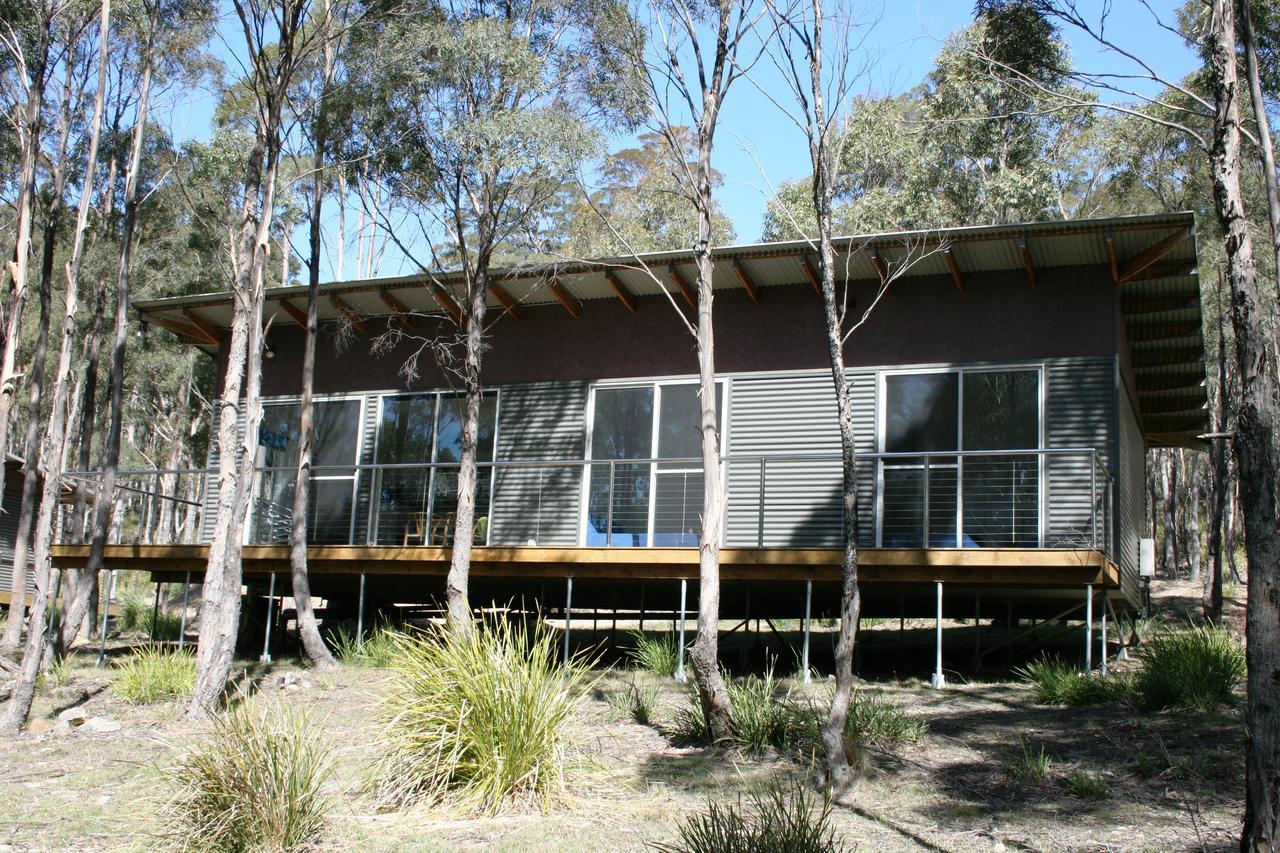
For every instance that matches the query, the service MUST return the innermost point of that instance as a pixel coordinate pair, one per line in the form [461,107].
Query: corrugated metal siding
[539,421]
[1079,412]
[372,412]
[794,414]
[209,510]
[10,506]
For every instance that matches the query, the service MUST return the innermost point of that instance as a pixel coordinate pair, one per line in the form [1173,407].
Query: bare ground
[1172,780]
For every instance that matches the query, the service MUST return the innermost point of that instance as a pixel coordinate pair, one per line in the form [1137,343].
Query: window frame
[589,419]
[961,371]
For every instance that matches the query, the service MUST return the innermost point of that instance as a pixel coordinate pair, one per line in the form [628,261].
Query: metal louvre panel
[1131,491]
[539,504]
[794,414]
[12,505]
[1079,412]
[364,486]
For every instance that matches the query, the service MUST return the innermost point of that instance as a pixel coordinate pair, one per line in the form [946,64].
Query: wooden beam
[185,330]
[1026,259]
[747,283]
[628,298]
[879,264]
[954,267]
[565,297]
[1151,254]
[446,301]
[352,315]
[295,313]
[508,304]
[1111,257]
[811,274]
[208,329]
[397,307]
[678,279]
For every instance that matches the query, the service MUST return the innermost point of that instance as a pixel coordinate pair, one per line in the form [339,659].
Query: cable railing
[1043,498]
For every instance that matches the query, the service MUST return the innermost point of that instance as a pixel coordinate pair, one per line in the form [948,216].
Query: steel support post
[939,680]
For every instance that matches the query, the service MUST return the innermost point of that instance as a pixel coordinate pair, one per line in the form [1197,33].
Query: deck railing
[951,499]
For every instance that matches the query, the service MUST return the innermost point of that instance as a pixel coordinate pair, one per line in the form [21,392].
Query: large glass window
[418,501]
[969,500]
[333,475]
[637,504]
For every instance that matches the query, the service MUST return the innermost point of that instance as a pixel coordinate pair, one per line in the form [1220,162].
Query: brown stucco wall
[999,316]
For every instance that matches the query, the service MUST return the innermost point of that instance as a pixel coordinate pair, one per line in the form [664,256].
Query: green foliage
[635,703]
[154,674]
[376,649]
[1196,668]
[1029,765]
[257,783]
[656,653]
[1087,786]
[767,715]
[1055,682]
[481,720]
[780,819]
[59,673]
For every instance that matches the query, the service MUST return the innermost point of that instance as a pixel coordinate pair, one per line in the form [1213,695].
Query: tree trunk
[1169,511]
[1193,517]
[312,643]
[1218,461]
[1253,445]
[53,453]
[457,603]
[1266,145]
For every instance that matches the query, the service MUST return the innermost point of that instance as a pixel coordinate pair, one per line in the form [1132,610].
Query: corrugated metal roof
[1160,297]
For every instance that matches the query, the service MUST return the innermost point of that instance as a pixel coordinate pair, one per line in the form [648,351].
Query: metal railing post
[1093,503]
[924,540]
[608,523]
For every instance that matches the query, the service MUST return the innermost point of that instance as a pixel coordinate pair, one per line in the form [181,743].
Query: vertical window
[940,500]
[333,476]
[418,501]
[643,503]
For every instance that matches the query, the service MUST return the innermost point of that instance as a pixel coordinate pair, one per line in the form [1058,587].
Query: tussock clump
[1196,669]
[154,674]
[780,819]
[257,783]
[1054,682]
[656,653]
[479,720]
[373,650]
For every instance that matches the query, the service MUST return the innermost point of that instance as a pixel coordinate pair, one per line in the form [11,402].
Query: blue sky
[757,148]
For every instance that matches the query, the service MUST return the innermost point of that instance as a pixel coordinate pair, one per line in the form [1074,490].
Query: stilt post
[186,599]
[939,680]
[684,588]
[1103,669]
[155,612]
[568,614]
[106,612]
[1088,627]
[360,613]
[271,604]
[808,608]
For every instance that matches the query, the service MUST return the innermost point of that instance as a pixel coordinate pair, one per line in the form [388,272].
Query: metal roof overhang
[1152,259]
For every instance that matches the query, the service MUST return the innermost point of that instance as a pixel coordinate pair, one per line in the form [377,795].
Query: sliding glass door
[968,499]
[333,477]
[417,504]
[640,503]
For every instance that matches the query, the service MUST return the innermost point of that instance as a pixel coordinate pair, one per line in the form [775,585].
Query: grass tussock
[657,653]
[154,674]
[375,649]
[1055,682]
[1031,765]
[481,721]
[1087,786]
[766,714]
[780,819]
[257,783]
[1194,669]
[636,703]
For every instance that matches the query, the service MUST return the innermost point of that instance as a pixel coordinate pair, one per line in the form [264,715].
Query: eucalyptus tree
[481,112]
[277,42]
[54,449]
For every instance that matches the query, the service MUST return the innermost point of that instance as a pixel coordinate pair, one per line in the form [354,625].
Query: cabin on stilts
[1008,382]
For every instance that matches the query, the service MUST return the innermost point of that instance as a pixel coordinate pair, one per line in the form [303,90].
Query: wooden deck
[1043,568]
